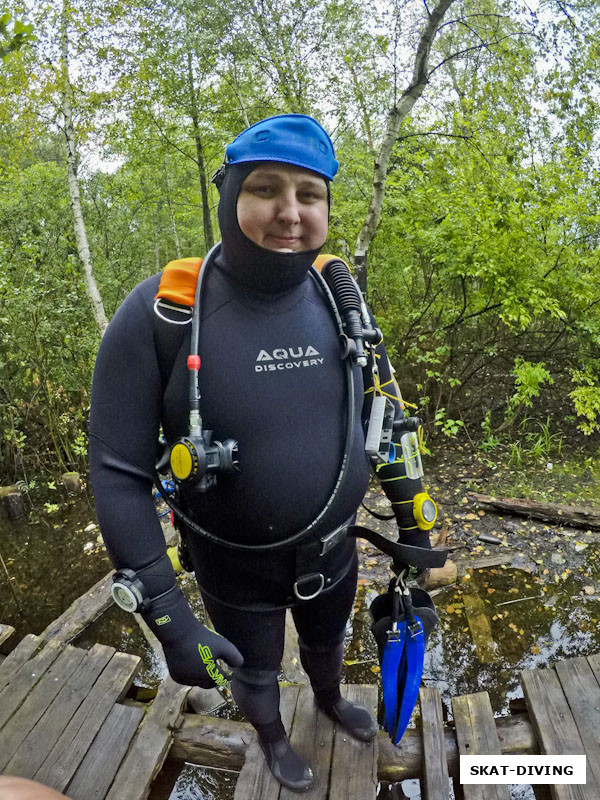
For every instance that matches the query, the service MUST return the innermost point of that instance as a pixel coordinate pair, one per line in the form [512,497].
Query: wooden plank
[354,763]
[15,660]
[30,673]
[311,736]
[476,735]
[151,744]
[82,611]
[583,694]
[554,726]
[435,785]
[594,662]
[70,748]
[23,721]
[255,781]
[39,742]
[98,769]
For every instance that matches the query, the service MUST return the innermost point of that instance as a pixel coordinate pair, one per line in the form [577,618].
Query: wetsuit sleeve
[398,487]
[124,426]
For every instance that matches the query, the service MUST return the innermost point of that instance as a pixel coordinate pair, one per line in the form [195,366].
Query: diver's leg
[259,636]
[321,626]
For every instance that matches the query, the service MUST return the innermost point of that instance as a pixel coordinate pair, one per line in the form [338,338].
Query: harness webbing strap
[419,557]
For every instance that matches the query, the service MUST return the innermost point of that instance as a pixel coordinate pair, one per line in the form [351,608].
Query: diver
[267,440]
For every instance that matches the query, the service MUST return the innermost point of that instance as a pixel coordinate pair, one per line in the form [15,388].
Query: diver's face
[284,208]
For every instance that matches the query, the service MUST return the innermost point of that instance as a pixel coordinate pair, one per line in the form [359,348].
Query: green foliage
[483,274]
[13,35]
[528,380]
[586,398]
[449,427]
[490,441]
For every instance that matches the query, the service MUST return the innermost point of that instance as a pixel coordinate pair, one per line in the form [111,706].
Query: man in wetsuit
[272,379]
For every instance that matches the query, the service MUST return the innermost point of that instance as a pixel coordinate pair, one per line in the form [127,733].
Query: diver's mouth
[284,244]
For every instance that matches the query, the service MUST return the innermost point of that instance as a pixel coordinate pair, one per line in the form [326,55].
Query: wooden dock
[64,722]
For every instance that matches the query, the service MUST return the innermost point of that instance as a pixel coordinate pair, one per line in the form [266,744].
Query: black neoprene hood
[247,262]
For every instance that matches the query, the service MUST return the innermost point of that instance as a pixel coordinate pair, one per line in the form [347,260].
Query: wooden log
[439,576]
[12,502]
[151,744]
[82,611]
[477,736]
[6,631]
[579,516]
[222,743]
[72,483]
[480,627]
[203,701]
[212,741]
[485,563]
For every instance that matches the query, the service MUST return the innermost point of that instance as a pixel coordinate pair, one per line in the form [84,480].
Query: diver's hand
[190,649]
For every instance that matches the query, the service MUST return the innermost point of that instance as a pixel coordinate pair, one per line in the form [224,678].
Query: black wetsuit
[271,378]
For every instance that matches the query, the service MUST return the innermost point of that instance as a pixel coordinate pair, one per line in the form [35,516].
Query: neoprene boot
[352,717]
[283,761]
[324,667]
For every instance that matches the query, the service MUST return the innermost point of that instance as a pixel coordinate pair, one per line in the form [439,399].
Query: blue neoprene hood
[291,138]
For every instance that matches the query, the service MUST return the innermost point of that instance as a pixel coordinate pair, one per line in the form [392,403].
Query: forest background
[467,199]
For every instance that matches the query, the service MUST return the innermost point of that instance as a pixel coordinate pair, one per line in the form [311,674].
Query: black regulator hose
[340,281]
[344,464]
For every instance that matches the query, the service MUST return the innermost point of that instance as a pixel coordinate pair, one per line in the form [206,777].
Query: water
[484,640]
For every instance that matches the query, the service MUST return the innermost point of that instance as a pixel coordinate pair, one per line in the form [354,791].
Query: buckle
[305,579]
[333,539]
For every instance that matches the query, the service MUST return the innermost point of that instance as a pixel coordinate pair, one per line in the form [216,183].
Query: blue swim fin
[409,677]
[391,661]
[402,620]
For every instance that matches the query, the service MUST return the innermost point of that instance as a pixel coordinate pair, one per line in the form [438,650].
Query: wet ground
[540,606]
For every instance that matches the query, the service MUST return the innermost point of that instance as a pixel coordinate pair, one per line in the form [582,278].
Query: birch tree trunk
[171,214]
[395,117]
[208,232]
[81,238]
[157,264]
